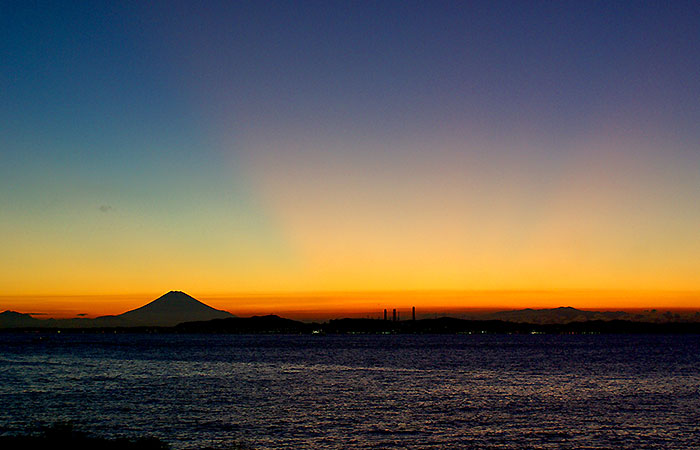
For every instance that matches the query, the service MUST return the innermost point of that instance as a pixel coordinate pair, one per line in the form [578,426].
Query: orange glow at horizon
[299,305]
[469,216]
[349,158]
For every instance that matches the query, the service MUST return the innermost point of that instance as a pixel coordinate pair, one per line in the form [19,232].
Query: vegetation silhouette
[64,436]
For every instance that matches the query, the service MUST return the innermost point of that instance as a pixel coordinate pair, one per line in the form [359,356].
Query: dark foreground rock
[64,437]
[60,437]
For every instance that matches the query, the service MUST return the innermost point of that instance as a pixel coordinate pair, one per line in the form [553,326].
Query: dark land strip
[272,324]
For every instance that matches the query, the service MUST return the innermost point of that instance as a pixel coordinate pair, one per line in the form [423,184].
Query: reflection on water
[351,392]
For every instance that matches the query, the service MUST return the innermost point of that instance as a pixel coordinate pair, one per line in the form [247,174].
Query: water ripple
[357,392]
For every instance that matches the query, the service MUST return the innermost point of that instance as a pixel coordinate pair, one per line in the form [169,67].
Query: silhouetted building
[394,314]
[384,313]
[413,313]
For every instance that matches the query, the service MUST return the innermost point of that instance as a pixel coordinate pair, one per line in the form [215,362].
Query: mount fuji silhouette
[169,310]
[166,311]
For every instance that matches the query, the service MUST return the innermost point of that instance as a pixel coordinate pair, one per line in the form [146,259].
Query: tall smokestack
[394,314]
[413,313]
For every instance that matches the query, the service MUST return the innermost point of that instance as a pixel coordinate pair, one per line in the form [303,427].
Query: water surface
[360,392]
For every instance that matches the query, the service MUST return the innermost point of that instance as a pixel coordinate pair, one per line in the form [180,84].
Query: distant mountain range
[176,308]
[564,314]
[567,314]
[166,311]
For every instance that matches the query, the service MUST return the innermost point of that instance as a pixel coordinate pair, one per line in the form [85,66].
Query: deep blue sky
[154,69]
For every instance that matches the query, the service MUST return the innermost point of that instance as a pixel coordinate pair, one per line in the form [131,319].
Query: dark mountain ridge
[562,314]
[186,314]
[169,310]
[166,311]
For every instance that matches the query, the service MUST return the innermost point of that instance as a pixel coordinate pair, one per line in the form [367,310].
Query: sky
[271,155]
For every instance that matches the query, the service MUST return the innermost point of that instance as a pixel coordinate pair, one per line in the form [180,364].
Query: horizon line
[355,303]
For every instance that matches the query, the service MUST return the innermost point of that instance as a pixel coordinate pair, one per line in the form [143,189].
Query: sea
[359,391]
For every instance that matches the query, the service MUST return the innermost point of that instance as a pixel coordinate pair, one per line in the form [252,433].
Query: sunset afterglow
[349,159]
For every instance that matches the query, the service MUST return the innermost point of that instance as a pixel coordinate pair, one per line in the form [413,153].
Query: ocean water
[360,392]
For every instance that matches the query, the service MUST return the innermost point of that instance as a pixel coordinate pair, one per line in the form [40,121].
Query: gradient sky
[276,148]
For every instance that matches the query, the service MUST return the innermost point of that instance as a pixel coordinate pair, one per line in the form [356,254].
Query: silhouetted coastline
[178,312]
[443,325]
[272,324]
